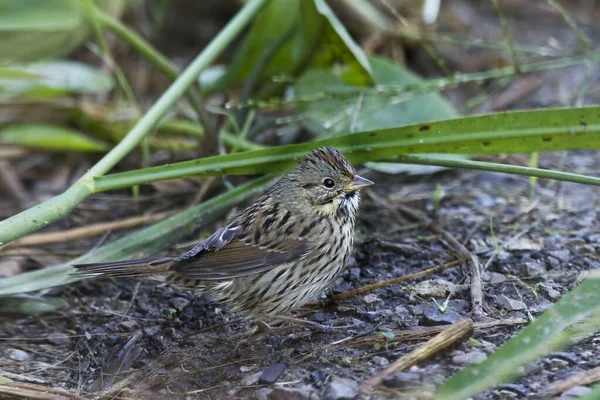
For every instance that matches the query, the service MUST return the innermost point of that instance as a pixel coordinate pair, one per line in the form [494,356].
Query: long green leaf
[49,137]
[336,113]
[319,40]
[551,331]
[509,132]
[38,29]
[31,305]
[137,244]
[343,34]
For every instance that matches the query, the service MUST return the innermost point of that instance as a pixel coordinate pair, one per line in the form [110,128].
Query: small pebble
[18,355]
[59,339]
[152,330]
[401,310]
[574,243]
[532,270]
[318,377]
[403,380]
[496,277]
[179,303]
[433,316]
[271,373]
[341,389]
[473,357]
[510,304]
[575,392]
[561,255]
[130,325]
[251,379]
[304,392]
[371,298]
[381,361]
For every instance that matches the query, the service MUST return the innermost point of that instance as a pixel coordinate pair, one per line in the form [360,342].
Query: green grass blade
[343,34]
[137,244]
[31,305]
[49,137]
[509,132]
[577,314]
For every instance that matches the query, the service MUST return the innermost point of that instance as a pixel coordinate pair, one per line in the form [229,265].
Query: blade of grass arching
[510,132]
[51,210]
[49,137]
[324,9]
[137,244]
[574,316]
[15,73]
[31,305]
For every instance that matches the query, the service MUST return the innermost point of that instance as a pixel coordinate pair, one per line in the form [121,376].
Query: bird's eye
[328,183]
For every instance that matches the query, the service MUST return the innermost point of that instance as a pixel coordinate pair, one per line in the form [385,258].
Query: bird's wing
[224,255]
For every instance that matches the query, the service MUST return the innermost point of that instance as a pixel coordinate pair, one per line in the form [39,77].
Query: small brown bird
[279,253]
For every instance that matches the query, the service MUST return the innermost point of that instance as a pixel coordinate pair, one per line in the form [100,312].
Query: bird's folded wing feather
[224,256]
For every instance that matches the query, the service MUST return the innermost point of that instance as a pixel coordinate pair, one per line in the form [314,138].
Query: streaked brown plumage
[279,253]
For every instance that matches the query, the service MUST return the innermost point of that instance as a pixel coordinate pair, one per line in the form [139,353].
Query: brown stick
[476,285]
[425,332]
[420,274]
[455,333]
[84,231]
[13,184]
[16,390]
[8,152]
[580,379]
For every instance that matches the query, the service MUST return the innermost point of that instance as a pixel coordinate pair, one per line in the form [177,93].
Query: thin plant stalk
[151,54]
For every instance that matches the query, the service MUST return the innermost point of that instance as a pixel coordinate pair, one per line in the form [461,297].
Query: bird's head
[325,181]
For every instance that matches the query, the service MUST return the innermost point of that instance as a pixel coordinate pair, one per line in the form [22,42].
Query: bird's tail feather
[126,269]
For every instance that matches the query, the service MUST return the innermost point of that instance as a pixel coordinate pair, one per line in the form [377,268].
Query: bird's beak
[358,182]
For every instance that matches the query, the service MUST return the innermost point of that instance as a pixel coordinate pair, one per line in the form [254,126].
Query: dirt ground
[150,342]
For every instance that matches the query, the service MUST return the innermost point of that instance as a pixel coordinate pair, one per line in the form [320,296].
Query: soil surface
[145,341]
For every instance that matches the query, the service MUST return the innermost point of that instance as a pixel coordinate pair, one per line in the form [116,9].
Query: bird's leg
[313,325]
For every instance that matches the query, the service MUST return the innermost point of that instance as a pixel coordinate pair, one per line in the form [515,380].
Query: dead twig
[12,183]
[448,337]
[84,231]
[476,281]
[581,379]
[416,275]
[425,332]
[18,390]
[203,191]
[8,152]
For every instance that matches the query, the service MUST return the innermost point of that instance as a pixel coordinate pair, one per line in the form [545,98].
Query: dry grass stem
[85,231]
[448,337]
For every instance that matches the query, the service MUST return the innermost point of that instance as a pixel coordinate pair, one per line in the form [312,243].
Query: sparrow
[279,253]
